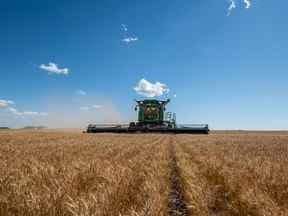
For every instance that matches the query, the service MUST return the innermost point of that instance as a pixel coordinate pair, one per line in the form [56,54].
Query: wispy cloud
[231,7]
[14,111]
[97,106]
[8,105]
[130,39]
[124,27]
[127,37]
[26,113]
[86,108]
[53,68]
[29,113]
[149,89]
[81,92]
[63,112]
[5,103]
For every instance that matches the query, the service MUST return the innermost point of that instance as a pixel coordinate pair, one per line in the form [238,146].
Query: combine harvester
[151,118]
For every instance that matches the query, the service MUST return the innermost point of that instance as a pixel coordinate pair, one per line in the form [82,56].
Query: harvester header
[151,118]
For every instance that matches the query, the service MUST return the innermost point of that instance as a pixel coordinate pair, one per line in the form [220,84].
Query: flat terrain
[69,173]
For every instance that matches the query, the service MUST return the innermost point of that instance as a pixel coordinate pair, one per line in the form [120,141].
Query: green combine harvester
[151,118]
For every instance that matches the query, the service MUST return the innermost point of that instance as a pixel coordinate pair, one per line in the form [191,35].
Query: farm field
[54,172]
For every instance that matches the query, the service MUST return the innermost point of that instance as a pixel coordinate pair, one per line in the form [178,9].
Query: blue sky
[228,71]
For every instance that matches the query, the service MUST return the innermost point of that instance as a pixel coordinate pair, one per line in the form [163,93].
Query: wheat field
[70,173]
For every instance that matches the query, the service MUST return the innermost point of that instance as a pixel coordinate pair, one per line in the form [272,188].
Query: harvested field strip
[176,201]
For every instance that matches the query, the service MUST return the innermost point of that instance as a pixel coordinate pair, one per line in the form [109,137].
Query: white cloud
[231,7]
[149,89]
[81,92]
[53,68]
[248,3]
[5,103]
[130,39]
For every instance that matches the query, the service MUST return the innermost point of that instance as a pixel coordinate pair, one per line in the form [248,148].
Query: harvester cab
[151,118]
[151,114]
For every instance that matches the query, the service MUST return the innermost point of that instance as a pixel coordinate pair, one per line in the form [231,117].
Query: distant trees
[3,128]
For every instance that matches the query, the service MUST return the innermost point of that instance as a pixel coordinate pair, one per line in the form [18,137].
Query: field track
[176,199]
[69,173]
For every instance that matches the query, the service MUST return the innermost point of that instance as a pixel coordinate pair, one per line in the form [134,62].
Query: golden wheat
[69,173]
[74,174]
[235,174]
